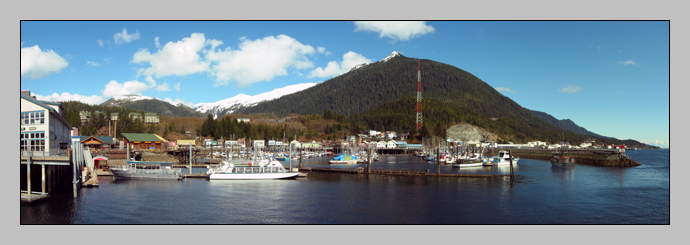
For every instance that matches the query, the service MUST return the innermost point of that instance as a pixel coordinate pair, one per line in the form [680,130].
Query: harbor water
[539,194]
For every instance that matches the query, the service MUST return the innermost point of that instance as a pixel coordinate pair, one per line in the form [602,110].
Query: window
[34,141]
[37,117]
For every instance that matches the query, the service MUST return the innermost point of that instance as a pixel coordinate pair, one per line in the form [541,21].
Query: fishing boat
[266,169]
[562,158]
[472,160]
[502,159]
[145,170]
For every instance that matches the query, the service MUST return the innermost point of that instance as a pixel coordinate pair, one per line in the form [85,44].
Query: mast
[419,96]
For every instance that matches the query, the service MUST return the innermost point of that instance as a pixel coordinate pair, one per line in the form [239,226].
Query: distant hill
[382,96]
[565,124]
[148,104]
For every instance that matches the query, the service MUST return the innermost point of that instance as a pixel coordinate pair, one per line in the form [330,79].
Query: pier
[404,172]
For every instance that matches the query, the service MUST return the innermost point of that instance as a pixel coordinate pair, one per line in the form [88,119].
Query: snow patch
[392,55]
[243,100]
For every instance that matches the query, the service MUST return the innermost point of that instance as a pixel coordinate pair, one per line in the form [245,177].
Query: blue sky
[609,77]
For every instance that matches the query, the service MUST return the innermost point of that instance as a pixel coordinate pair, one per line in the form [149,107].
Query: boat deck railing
[259,170]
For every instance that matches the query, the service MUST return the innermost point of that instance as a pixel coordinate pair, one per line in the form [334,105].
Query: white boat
[502,159]
[266,170]
[145,170]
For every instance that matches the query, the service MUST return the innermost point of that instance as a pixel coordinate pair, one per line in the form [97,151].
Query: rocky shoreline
[602,158]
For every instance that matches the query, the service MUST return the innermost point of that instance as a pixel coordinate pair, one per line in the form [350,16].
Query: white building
[391,144]
[373,133]
[381,144]
[258,144]
[243,119]
[586,144]
[43,129]
[151,118]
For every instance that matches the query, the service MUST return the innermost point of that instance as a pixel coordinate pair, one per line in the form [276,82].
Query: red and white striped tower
[419,95]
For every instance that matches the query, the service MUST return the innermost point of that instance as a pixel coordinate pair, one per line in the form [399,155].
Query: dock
[406,172]
[27,198]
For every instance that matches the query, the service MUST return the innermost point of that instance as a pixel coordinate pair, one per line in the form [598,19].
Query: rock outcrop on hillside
[466,132]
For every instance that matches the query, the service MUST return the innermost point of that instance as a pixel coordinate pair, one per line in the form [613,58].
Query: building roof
[104,139]
[132,137]
[151,114]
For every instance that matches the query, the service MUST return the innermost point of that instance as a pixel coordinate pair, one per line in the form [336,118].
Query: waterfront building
[97,142]
[151,118]
[311,145]
[381,144]
[391,144]
[43,129]
[142,141]
[181,143]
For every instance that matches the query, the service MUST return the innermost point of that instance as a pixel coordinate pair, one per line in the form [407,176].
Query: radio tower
[419,96]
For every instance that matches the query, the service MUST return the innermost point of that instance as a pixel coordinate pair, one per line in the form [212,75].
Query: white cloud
[37,63]
[396,30]
[175,58]
[163,87]
[350,59]
[628,62]
[504,90]
[322,50]
[100,42]
[123,36]
[93,99]
[258,60]
[91,63]
[570,89]
[113,88]
[177,102]
[158,44]
[177,87]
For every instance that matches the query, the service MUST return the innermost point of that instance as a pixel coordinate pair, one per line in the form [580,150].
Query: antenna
[419,95]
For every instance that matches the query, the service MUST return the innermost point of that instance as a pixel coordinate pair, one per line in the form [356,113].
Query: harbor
[616,196]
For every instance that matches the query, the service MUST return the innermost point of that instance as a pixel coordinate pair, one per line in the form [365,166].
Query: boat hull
[467,163]
[128,174]
[252,176]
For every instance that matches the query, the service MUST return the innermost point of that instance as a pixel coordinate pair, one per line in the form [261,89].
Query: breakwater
[604,158]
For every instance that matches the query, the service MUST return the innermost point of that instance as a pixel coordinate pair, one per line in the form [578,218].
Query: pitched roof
[133,137]
[104,139]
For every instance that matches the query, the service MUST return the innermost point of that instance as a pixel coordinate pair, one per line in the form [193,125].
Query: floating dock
[408,172]
[27,198]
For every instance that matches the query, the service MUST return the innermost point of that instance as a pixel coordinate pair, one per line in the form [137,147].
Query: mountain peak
[131,97]
[392,55]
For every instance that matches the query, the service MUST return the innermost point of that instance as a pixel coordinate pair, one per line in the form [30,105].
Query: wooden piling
[437,158]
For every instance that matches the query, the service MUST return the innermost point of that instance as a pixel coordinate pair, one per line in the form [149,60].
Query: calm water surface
[540,194]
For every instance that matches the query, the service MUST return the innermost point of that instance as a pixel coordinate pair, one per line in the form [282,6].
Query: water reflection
[565,173]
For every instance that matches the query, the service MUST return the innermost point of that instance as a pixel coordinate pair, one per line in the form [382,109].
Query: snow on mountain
[131,97]
[390,56]
[240,101]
